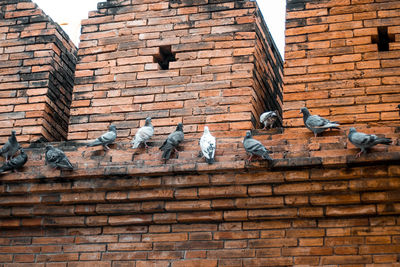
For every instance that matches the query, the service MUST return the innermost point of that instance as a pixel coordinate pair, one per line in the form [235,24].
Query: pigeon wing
[18,161]
[6,147]
[108,137]
[142,135]
[318,122]
[361,139]
[254,147]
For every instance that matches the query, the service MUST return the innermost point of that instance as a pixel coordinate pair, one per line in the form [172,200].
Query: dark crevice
[383,38]
[164,57]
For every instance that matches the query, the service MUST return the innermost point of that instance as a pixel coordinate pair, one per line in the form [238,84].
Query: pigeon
[268,119]
[15,163]
[172,141]
[365,141]
[254,147]
[11,147]
[106,138]
[316,123]
[57,159]
[143,134]
[208,145]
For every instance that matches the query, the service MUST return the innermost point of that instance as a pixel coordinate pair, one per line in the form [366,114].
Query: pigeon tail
[210,160]
[167,153]
[135,144]
[383,141]
[65,164]
[5,168]
[96,142]
[266,156]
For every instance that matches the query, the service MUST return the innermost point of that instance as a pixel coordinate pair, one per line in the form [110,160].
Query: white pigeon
[208,145]
[143,134]
[268,119]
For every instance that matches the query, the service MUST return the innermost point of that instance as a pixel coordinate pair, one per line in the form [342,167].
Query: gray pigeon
[268,119]
[106,138]
[365,141]
[11,147]
[143,134]
[172,141]
[254,147]
[316,123]
[15,163]
[57,159]
[208,145]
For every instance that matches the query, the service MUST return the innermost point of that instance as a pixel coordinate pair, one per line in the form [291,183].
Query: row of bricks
[192,260]
[160,85]
[162,217]
[235,209]
[264,238]
[376,260]
[139,12]
[203,68]
[338,230]
[203,25]
[273,245]
[177,252]
[259,183]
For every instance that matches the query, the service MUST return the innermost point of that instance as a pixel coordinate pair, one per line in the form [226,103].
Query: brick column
[37,63]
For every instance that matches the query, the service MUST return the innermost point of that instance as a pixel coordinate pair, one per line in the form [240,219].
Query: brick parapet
[37,65]
[124,187]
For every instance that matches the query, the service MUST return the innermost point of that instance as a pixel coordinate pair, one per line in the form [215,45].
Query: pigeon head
[49,147]
[305,111]
[248,134]
[13,133]
[179,127]
[148,121]
[206,130]
[352,130]
[112,128]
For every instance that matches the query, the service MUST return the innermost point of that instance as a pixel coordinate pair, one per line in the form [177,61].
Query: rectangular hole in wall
[383,38]
[164,57]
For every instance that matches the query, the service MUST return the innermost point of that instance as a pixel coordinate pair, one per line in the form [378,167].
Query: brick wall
[115,210]
[37,63]
[334,65]
[221,50]
[316,205]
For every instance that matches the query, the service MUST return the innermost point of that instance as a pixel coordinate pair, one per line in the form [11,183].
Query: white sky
[69,13]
